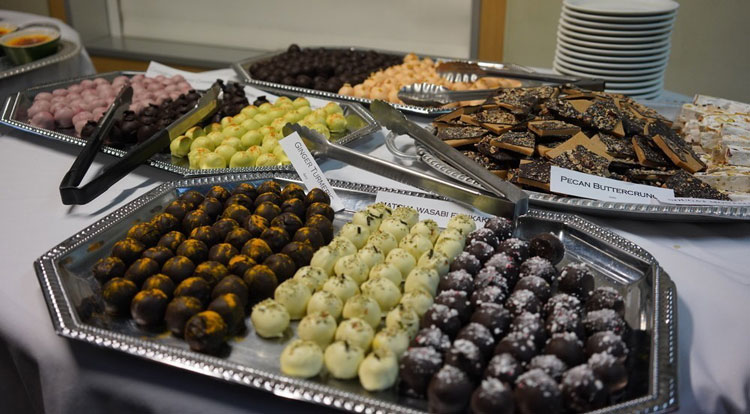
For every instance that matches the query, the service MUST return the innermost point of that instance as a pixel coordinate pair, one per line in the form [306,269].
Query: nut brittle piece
[582,160]
[553,128]
[534,174]
[520,142]
[685,185]
[648,154]
[456,136]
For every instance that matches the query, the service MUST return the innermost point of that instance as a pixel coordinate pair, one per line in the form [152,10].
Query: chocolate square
[582,160]
[685,185]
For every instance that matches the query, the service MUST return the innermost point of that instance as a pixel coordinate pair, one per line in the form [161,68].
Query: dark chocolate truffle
[484,235]
[145,233]
[128,250]
[196,287]
[562,300]
[538,286]
[294,206]
[503,367]
[141,269]
[539,267]
[282,266]
[223,226]
[466,356]
[222,252]
[232,284]
[212,272]
[179,310]
[609,342]
[548,246]
[530,324]
[523,301]
[433,337]
[323,225]
[537,393]
[159,253]
[501,226]
[567,347]
[205,332]
[246,189]
[269,186]
[506,266]
[239,264]
[609,371]
[171,240]
[489,276]
[606,298]
[193,249]
[270,197]
[550,364]
[480,336]
[444,318]
[165,222]
[118,293]
[211,206]
[458,300]
[238,237]
[218,192]
[275,237]
[256,249]
[416,368]
[466,261]
[581,390]
[293,190]
[576,279]
[231,309]
[195,218]
[597,321]
[148,307]
[267,210]
[300,252]
[107,268]
[456,280]
[192,197]
[255,224]
[449,391]
[309,235]
[494,317]
[261,282]
[323,209]
[518,344]
[564,320]
[242,200]
[316,195]
[236,212]
[516,248]
[206,234]
[492,397]
[288,222]
[488,294]
[480,250]
[161,282]
[177,208]
[178,268]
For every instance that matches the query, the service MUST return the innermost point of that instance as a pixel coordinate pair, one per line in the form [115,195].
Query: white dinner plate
[560,54]
[618,19]
[623,7]
[616,33]
[615,39]
[649,52]
[615,26]
[560,67]
[612,72]
[640,94]
[592,57]
[645,48]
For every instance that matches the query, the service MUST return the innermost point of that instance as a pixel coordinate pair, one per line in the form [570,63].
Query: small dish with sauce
[29,44]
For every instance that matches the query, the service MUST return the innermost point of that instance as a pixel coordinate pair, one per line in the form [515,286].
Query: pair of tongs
[512,207]
[456,71]
[72,192]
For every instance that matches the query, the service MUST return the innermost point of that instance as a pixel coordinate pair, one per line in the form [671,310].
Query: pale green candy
[278,151]
[282,100]
[202,142]
[253,137]
[284,160]
[269,143]
[239,118]
[234,130]
[234,142]
[250,111]
[333,108]
[195,132]
[322,129]
[227,120]
[241,159]
[216,138]
[303,111]
[336,122]
[276,113]
[263,118]
[291,117]
[212,160]
[215,127]
[278,124]
[266,160]
[195,156]
[250,124]
[314,118]
[226,151]
[180,146]
[254,153]
[265,107]
[301,102]
[266,130]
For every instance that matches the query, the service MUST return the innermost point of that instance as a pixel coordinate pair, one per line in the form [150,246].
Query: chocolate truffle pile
[508,333]
[198,267]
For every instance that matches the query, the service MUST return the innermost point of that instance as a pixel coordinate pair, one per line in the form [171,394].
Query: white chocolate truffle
[387,271]
[371,256]
[379,210]
[342,246]
[356,233]
[270,318]
[383,291]
[357,332]
[397,227]
[383,240]
[407,214]
[342,359]
[403,317]
[318,327]
[379,370]
[452,233]
[363,218]
[418,299]
[302,359]
[393,339]
[294,295]
[325,258]
[313,277]
[365,308]
[402,259]
[449,247]
[463,223]
[422,278]
[433,259]
[342,286]
[325,302]
[416,244]
[353,267]
[428,228]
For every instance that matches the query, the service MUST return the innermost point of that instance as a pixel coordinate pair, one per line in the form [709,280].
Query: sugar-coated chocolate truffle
[318,327]
[581,390]
[421,278]
[609,371]
[567,347]
[224,226]
[177,208]
[287,221]
[192,197]
[518,344]
[480,250]
[218,192]
[530,324]
[292,190]
[211,206]
[212,272]
[537,393]
[564,320]
[416,368]
[517,249]
[261,282]
[256,249]
[457,280]
[309,235]
[158,253]
[179,311]
[165,222]
[195,218]
[490,276]
[444,318]
[501,226]
[282,266]
[322,224]
[576,279]
[538,286]
[484,235]
[270,197]
[562,300]
[378,371]
[275,237]
[196,287]
[383,291]
[492,397]
[222,252]
[107,268]
[609,342]
[246,189]
[494,317]
[161,282]
[205,332]
[269,186]
[148,307]
[488,294]
[118,293]
[128,250]
[172,240]
[342,359]
[205,234]
[236,212]
[240,264]
[601,320]
[294,206]
[316,195]
[238,237]
[504,367]
[506,266]
[267,210]
[393,339]
[449,391]
[550,364]
[270,318]
[231,309]
[145,233]
[141,269]
[466,261]
[539,267]
[606,298]
[458,300]
[301,253]
[548,246]
[523,301]
[193,249]
[480,336]
[255,224]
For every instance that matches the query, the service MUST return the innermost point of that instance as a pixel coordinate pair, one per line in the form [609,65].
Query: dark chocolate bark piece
[583,160]
[535,174]
[520,142]
[648,154]
[553,128]
[685,185]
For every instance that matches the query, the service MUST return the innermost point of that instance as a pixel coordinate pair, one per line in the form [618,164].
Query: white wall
[26,6]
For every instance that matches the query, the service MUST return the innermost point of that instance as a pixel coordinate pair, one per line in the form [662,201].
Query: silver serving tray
[65,51]
[242,66]
[14,115]
[73,296]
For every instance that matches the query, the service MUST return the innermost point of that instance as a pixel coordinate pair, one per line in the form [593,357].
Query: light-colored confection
[356,233]
[402,259]
[353,267]
[449,247]
[363,218]
[343,246]
[393,339]
[407,214]
[418,299]
[318,327]
[397,227]
[403,317]
[270,318]
[355,331]
[363,307]
[325,258]
[324,301]
[379,210]
[313,277]
[433,259]
[342,286]
[388,271]
[383,291]
[416,244]
[428,228]
[422,278]
[379,370]
[463,223]
[342,359]
[452,233]
[294,295]
[302,359]
[383,240]
[371,256]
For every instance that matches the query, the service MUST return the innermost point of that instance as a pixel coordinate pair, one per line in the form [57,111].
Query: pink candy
[39,106]
[64,117]
[87,84]
[43,96]
[98,112]
[82,116]
[43,120]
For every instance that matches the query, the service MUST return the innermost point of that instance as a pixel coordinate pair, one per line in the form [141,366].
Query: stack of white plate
[624,42]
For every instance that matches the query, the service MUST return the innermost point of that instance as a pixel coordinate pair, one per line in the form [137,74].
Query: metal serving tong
[469,72]
[473,198]
[393,119]
[72,192]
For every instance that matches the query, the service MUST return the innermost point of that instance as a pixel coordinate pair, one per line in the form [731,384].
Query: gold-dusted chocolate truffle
[240,199]
[428,228]
[128,250]
[240,264]
[270,318]
[177,208]
[355,233]
[118,293]
[418,299]
[211,272]
[148,307]
[236,212]
[342,359]
[267,210]
[393,339]
[192,197]
[403,317]
[292,190]
[316,195]
[383,291]
[416,244]
[287,221]
[235,285]
[342,286]
[402,259]
[388,271]
[261,282]
[141,270]
[363,307]
[231,309]
[282,266]
[322,224]
[300,252]
[145,233]
[276,238]
[422,278]
[269,186]
[309,235]
[161,282]
[172,240]
[195,218]
[302,359]
[205,332]
[193,249]
[379,370]
[107,268]
[324,301]
[218,192]
[211,206]
[294,295]
[178,268]
[371,256]
[246,189]
[383,241]
[255,224]
[270,197]
[355,331]
[196,287]
[463,223]
[406,214]
[179,311]
[206,234]
[435,260]
[397,227]
[222,253]
[318,327]
[295,206]
[165,222]
[353,267]
[159,253]
[325,258]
